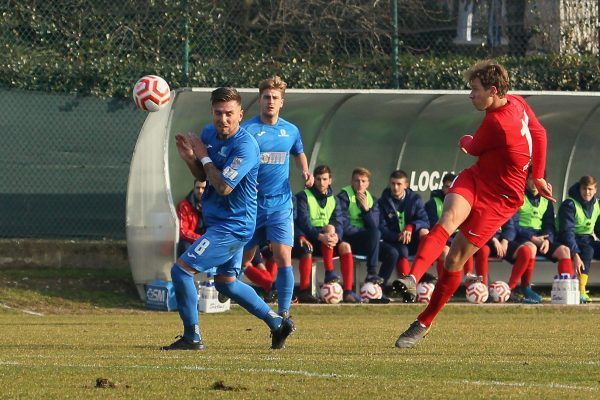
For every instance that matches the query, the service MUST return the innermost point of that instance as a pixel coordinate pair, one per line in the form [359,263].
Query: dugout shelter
[382,130]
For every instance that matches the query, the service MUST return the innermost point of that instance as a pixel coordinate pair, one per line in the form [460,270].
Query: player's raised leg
[460,251]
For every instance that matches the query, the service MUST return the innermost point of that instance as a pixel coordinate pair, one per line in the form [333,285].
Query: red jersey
[509,139]
[189,221]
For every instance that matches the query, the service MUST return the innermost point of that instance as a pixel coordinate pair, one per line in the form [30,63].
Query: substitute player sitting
[535,224]
[320,219]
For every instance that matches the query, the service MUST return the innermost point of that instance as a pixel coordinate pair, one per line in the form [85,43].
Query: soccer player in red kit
[484,196]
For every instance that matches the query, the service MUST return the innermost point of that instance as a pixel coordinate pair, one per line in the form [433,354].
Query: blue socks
[285,288]
[187,302]
[246,297]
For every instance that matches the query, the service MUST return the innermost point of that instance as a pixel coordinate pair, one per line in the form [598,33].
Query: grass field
[98,350]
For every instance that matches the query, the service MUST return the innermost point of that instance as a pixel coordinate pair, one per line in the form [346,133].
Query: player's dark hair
[322,169]
[587,180]
[490,73]
[274,82]
[362,172]
[449,177]
[225,94]
[398,174]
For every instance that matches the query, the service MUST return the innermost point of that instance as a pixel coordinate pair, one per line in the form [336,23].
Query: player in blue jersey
[226,156]
[277,140]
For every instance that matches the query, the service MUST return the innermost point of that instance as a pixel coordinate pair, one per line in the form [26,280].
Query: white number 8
[204,243]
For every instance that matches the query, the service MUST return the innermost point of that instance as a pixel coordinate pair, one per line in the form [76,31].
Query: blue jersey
[276,143]
[237,158]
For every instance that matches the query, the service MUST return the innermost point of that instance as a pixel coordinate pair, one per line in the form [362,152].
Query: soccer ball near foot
[477,293]
[371,291]
[331,293]
[424,292]
[499,292]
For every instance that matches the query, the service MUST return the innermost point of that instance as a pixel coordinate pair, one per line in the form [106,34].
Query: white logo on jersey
[223,151]
[261,133]
[230,173]
[237,161]
[473,233]
[273,157]
[283,133]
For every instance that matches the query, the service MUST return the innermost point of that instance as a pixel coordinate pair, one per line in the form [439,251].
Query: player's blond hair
[274,82]
[490,73]
[361,172]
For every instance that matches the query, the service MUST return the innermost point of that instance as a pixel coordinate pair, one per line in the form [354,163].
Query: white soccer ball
[477,293]
[331,293]
[371,291]
[151,93]
[424,292]
[499,292]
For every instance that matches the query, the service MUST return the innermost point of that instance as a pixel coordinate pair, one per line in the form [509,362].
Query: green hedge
[110,78]
[101,48]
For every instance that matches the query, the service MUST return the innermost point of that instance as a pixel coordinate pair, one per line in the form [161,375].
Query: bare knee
[344,248]
[532,249]
[562,252]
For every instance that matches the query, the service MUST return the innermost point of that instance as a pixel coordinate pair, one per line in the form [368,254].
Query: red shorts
[489,209]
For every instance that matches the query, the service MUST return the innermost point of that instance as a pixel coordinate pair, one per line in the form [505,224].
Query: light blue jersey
[276,143]
[237,158]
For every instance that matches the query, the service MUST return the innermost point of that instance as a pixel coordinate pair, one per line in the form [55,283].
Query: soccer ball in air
[151,93]
[371,291]
[331,293]
[424,292]
[499,292]
[477,293]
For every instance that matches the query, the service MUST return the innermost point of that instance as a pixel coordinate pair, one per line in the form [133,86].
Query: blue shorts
[217,252]
[274,226]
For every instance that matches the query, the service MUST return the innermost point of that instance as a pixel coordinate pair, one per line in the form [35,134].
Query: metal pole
[395,45]
[186,43]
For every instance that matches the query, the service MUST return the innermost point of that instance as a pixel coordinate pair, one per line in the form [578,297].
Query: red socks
[447,284]
[347,267]
[565,266]
[522,258]
[260,277]
[526,278]
[439,267]
[430,248]
[482,263]
[327,254]
[403,267]
[305,269]
[272,268]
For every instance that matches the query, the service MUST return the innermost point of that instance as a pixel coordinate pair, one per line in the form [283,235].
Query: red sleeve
[538,142]
[409,228]
[188,219]
[482,139]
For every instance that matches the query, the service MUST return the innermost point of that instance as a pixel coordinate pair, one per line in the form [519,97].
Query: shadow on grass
[52,289]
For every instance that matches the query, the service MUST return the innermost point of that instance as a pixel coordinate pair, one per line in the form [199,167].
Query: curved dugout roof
[416,131]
